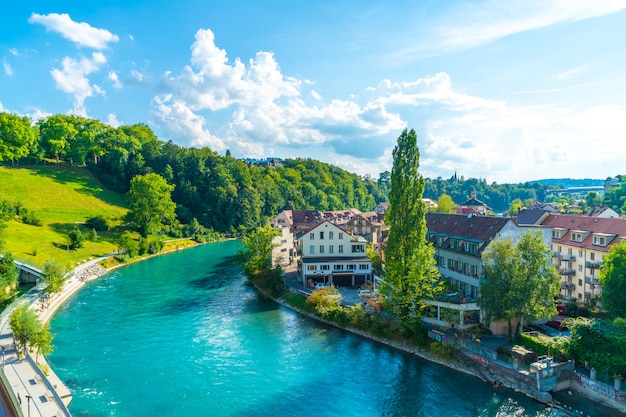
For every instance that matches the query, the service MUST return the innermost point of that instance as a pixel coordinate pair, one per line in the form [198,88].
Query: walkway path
[39,394]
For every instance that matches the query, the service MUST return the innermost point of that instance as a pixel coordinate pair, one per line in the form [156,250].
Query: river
[183,335]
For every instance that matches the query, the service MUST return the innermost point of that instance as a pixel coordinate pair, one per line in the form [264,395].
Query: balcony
[566,271]
[593,264]
[568,257]
[567,286]
[592,281]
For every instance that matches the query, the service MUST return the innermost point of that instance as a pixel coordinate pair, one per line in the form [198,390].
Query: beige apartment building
[579,244]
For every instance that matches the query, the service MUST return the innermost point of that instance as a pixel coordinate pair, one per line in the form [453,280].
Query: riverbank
[34,387]
[462,363]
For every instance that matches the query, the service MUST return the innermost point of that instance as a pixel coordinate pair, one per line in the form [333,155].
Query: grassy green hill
[62,197]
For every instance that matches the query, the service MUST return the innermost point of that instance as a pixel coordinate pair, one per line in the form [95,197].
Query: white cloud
[268,108]
[138,77]
[112,120]
[14,52]
[571,72]
[428,90]
[81,33]
[7,68]
[72,79]
[37,114]
[180,121]
[466,26]
[114,78]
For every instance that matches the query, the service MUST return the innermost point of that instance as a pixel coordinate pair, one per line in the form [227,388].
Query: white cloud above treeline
[81,33]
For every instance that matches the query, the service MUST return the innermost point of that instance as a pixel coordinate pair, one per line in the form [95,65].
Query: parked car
[322,285]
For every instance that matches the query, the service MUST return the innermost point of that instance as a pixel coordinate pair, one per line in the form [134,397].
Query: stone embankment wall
[600,392]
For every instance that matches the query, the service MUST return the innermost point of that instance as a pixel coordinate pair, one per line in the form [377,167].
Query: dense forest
[221,192]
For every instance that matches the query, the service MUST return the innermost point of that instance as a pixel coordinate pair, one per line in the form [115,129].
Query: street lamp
[28,397]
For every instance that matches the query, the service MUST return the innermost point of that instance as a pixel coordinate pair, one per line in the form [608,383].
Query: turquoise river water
[183,335]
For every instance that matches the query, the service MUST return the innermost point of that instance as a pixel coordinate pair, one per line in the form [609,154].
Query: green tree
[258,250]
[613,277]
[520,280]
[98,223]
[150,203]
[8,276]
[445,204]
[515,207]
[371,253]
[411,274]
[25,324]
[56,133]
[54,276]
[17,137]
[128,244]
[593,199]
[42,341]
[76,238]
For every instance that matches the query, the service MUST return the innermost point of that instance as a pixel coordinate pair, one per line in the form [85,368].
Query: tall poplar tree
[411,274]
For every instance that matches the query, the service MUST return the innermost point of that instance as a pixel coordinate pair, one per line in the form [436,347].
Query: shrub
[98,223]
[572,309]
[155,246]
[29,217]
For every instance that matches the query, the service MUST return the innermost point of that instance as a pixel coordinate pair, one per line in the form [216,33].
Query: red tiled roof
[585,224]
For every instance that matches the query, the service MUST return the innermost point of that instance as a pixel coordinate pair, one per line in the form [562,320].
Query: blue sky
[507,91]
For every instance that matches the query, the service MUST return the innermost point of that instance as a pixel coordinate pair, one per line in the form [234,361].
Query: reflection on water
[182,335]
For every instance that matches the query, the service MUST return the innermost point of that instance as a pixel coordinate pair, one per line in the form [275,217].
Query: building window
[580,254]
[580,268]
[312,249]
[580,282]
[351,267]
[340,248]
[599,240]
[592,256]
[338,267]
[321,235]
[331,249]
[321,248]
[472,247]
[330,235]
[358,248]
[340,235]
[312,236]
[363,267]
[311,267]
[324,267]
[577,237]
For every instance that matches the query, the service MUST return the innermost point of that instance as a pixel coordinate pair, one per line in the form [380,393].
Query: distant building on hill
[475,204]
[267,162]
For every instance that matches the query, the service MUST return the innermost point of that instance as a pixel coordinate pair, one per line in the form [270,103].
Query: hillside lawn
[62,197]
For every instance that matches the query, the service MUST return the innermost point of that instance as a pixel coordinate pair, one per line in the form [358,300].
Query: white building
[330,254]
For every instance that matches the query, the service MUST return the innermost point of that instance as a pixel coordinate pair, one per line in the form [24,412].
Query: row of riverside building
[330,247]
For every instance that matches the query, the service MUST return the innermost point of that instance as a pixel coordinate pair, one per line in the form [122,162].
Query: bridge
[580,191]
[28,273]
